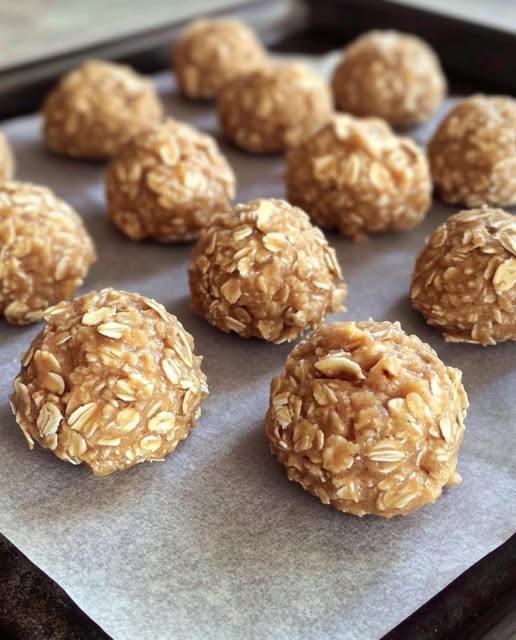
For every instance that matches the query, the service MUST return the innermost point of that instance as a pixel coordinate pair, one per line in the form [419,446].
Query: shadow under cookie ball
[473,152]
[464,281]
[391,75]
[263,270]
[111,381]
[355,175]
[46,251]
[6,160]
[98,107]
[367,418]
[273,108]
[210,53]
[167,182]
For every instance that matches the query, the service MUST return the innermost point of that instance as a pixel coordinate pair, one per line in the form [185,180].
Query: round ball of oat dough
[464,281]
[167,182]
[210,53]
[96,108]
[273,108]
[6,160]
[46,251]
[391,75]
[367,418]
[263,270]
[111,381]
[473,152]
[355,175]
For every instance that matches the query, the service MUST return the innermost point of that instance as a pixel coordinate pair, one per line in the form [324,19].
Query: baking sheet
[215,542]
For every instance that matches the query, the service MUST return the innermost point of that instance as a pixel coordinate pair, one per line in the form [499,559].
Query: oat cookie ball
[356,176]
[96,108]
[45,254]
[464,281]
[263,270]
[167,182]
[210,53]
[273,108]
[368,418]
[391,75]
[473,152]
[110,381]
[6,159]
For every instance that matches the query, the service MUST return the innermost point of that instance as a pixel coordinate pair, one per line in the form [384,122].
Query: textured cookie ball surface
[356,176]
[167,182]
[6,160]
[273,108]
[96,108]
[367,418]
[46,251]
[464,281]
[210,53]
[110,381]
[473,152]
[391,75]
[263,270]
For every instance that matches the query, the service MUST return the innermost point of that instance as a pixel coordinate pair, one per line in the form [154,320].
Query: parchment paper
[215,542]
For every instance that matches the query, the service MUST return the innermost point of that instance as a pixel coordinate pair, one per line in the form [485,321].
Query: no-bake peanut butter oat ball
[368,418]
[98,107]
[473,152]
[355,175]
[273,108]
[210,53]
[46,251]
[391,75]
[263,270]
[6,160]
[167,182]
[111,381]
[464,281]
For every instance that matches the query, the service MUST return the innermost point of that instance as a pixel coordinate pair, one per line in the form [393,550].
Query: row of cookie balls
[364,416]
[262,269]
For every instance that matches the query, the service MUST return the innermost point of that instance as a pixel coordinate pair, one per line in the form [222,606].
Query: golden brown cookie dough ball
[473,152]
[273,108]
[391,75]
[6,160]
[263,270]
[46,251]
[464,281]
[368,418]
[167,182]
[96,108]
[210,53]
[356,176]
[110,381]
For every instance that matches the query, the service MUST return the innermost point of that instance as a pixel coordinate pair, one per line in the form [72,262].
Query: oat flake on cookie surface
[263,270]
[367,418]
[46,251]
[464,280]
[111,381]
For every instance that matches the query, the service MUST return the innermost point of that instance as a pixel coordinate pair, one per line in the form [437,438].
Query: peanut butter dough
[111,381]
[167,182]
[263,270]
[367,418]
